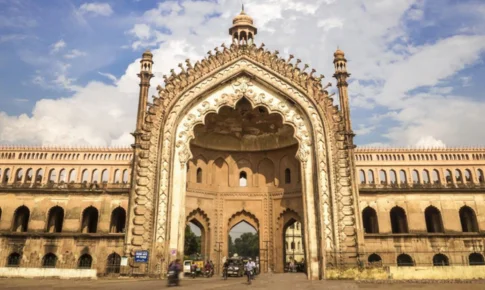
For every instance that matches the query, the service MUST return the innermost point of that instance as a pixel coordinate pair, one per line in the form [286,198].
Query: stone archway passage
[199,218]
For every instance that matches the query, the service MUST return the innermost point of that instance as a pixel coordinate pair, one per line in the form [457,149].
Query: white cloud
[430,142]
[56,47]
[74,54]
[109,76]
[95,8]
[387,69]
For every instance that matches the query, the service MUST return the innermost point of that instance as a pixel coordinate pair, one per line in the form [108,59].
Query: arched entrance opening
[243,241]
[192,245]
[294,251]
[197,236]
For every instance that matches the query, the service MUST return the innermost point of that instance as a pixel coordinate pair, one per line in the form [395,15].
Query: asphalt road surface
[266,281]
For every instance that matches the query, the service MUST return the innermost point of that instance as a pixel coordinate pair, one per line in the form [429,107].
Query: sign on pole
[173,252]
[141,256]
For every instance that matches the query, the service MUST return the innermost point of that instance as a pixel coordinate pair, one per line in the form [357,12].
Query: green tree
[247,245]
[232,247]
[192,242]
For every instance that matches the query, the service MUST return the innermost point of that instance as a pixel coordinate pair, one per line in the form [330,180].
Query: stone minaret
[242,30]
[145,75]
[342,75]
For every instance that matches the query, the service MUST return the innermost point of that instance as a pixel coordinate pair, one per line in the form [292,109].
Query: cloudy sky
[69,67]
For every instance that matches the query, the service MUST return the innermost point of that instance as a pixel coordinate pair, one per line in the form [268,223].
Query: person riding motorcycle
[225,267]
[193,269]
[208,269]
[174,270]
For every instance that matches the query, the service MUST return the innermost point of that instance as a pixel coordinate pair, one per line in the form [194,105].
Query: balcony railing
[421,186]
[88,186]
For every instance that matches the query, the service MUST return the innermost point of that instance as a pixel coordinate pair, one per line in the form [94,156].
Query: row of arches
[405,260]
[219,172]
[85,261]
[418,157]
[423,177]
[55,220]
[64,176]
[66,156]
[432,216]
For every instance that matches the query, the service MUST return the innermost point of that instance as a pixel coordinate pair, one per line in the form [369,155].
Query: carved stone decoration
[273,83]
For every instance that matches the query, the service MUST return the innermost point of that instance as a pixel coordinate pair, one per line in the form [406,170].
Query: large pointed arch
[202,221]
[296,96]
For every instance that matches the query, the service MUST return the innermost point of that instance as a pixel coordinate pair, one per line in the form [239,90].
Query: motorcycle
[173,278]
[208,273]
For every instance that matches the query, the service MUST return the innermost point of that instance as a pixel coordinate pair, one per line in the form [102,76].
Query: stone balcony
[430,187]
[121,187]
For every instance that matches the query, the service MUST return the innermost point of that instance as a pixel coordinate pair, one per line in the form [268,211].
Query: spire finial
[242,7]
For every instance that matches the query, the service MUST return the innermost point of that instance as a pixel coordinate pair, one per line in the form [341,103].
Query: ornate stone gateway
[244,135]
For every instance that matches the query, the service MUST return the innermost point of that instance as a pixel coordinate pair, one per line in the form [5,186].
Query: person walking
[249,267]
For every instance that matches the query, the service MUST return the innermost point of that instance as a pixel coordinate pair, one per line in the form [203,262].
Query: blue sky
[69,67]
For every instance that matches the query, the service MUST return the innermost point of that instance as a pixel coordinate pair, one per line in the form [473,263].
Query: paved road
[274,281]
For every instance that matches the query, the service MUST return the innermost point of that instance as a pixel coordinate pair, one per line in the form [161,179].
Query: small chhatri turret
[243,30]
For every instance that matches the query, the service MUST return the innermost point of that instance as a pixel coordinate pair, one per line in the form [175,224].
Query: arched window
[480,176]
[476,259]
[39,175]
[84,176]
[28,175]
[13,260]
[374,259]
[383,176]
[369,218]
[113,264]
[448,176]
[362,176]
[21,219]
[402,176]
[62,176]
[404,260]
[49,261]
[370,176]
[393,176]
[415,176]
[440,260]
[292,245]
[459,178]
[425,176]
[104,176]
[243,179]
[55,219]
[399,222]
[6,175]
[85,262]
[468,220]
[117,176]
[434,222]
[19,175]
[52,175]
[90,220]
[287,176]
[125,176]
[468,175]
[199,175]
[72,175]
[118,220]
[95,176]
[436,176]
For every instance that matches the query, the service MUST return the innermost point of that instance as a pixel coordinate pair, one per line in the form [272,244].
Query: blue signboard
[141,257]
